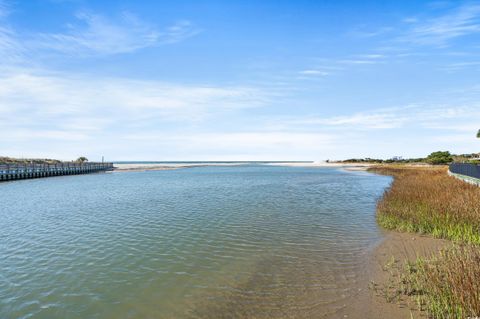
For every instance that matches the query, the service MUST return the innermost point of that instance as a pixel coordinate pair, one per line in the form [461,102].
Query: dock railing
[23,171]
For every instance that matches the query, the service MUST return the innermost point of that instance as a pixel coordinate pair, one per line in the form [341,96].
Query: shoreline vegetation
[443,283]
[429,201]
[435,158]
[11,160]
[25,161]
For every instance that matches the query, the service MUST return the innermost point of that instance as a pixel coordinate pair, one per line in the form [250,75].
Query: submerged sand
[400,247]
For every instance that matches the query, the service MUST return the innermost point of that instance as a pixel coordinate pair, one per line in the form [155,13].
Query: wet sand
[366,303]
[400,247]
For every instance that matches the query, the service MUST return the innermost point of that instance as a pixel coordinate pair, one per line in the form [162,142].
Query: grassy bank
[428,201]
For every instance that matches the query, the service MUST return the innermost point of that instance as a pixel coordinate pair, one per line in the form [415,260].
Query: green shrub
[438,158]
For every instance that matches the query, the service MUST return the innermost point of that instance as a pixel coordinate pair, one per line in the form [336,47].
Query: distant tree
[438,158]
[82,159]
[478,134]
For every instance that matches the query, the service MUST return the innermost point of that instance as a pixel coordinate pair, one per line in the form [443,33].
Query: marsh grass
[444,285]
[429,201]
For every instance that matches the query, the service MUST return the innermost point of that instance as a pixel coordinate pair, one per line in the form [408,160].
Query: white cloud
[334,66]
[359,61]
[259,145]
[469,126]
[371,120]
[86,104]
[417,116]
[91,35]
[461,21]
[314,72]
[179,31]
[372,56]
[22,135]
[9,47]
[95,34]
[63,93]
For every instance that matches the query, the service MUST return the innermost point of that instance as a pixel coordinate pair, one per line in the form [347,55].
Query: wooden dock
[10,172]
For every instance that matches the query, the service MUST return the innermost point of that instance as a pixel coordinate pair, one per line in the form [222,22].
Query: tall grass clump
[429,201]
[444,285]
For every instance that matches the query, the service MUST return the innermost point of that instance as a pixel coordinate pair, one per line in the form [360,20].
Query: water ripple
[209,242]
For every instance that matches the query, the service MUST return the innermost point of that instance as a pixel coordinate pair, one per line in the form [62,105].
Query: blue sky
[238,80]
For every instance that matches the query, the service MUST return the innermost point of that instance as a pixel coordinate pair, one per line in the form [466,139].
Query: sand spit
[346,166]
[170,166]
[140,167]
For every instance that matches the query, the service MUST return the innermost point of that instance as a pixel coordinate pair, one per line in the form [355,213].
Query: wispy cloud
[314,72]
[458,22]
[90,35]
[372,120]
[58,111]
[10,50]
[414,115]
[94,34]
[10,47]
[438,26]
[334,66]
[4,9]
[240,145]
[179,31]
[359,61]
[362,32]
[462,65]
[81,104]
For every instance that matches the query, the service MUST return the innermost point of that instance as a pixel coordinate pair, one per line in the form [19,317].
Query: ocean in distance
[237,241]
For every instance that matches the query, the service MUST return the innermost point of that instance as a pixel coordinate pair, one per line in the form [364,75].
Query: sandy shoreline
[171,166]
[164,166]
[371,303]
[352,166]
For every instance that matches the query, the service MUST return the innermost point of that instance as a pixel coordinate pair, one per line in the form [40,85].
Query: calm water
[206,242]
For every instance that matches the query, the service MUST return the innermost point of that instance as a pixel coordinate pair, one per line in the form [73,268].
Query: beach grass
[429,201]
[443,285]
